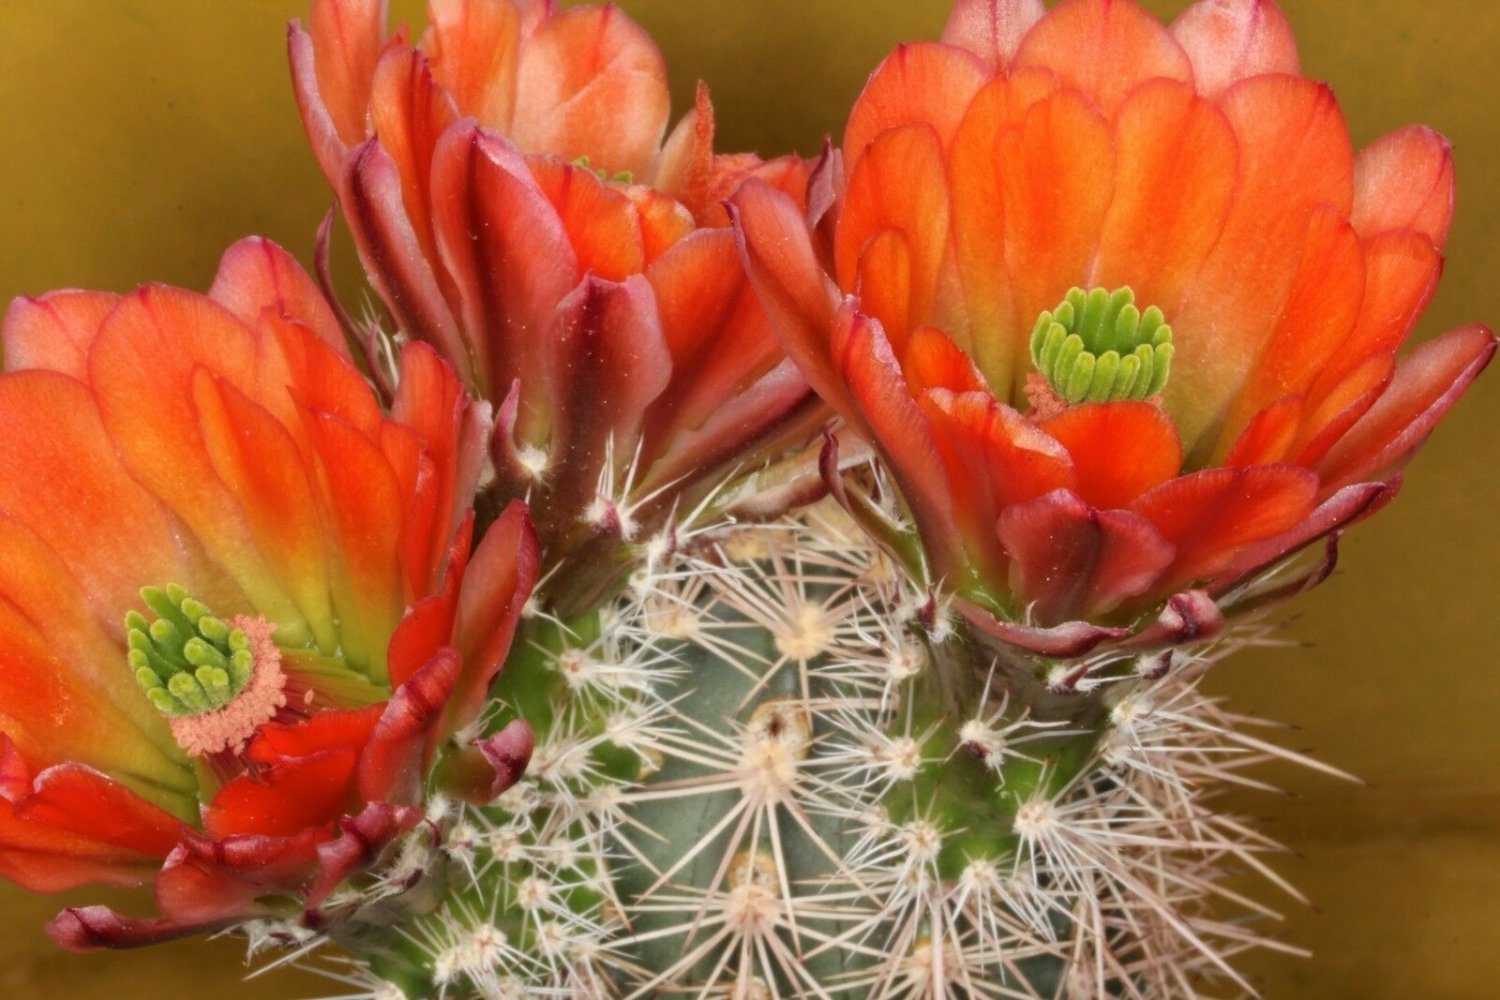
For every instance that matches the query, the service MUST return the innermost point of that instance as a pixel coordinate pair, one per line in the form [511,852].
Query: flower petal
[54,331]
[409,111]
[1404,180]
[473,47]
[893,233]
[1174,180]
[1229,40]
[1425,387]
[346,39]
[509,256]
[1210,515]
[798,298]
[1070,560]
[1104,48]
[592,83]
[255,274]
[51,837]
[373,195]
[991,29]
[1056,181]
[992,459]
[918,84]
[607,362]
[1119,450]
[977,186]
[496,587]
[283,800]
[1294,158]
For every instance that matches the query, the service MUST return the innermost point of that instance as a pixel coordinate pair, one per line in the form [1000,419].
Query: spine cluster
[771,770]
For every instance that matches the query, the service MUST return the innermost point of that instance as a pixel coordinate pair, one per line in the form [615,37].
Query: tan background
[143,136]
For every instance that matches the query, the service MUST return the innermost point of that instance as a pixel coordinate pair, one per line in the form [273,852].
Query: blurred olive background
[141,137]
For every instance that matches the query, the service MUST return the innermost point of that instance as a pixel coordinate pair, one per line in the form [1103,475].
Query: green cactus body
[757,775]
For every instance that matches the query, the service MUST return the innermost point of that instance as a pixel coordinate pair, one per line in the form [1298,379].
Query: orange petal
[663,220]
[991,29]
[1294,159]
[1425,387]
[364,506]
[473,47]
[59,472]
[1119,450]
[1404,180]
[284,800]
[1269,436]
[1210,515]
[51,838]
[606,363]
[602,223]
[1174,178]
[508,253]
[1104,48]
[1056,175]
[433,405]
[346,37]
[66,658]
[1229,40]
[1317,318]
[1332,416]
[719,337]
[592,83]
[893,422]
[900,186]
[797,296]
[933,361]
[975,180]
[255,274]
[54,715]
[1069,560]
[495,590]
[408,112]
[1401,273]
[992,458]
[918,84]
[260,463]
[54,331]
[142,369]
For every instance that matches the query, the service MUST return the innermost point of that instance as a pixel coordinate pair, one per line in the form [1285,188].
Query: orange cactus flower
[510,195]
[1120,307]
[241,614]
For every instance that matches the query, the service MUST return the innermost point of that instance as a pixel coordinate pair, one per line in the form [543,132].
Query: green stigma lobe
[187,661]
[1098,347]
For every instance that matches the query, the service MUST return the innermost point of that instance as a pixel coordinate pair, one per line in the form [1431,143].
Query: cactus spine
[775,768]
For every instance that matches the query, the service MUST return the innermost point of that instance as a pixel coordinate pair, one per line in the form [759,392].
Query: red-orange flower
[240,612]
[513,204]
[1072,457]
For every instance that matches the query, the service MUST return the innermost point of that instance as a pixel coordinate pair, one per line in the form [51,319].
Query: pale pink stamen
[231,726]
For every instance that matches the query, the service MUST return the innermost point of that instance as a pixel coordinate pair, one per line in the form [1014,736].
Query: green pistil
[188,661]
[1097,347]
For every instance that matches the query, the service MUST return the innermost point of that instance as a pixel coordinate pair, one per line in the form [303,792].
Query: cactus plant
[773,768]
[728,578]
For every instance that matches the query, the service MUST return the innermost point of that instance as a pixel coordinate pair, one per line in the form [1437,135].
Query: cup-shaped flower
[242,618]
[1119,306]
[508,190]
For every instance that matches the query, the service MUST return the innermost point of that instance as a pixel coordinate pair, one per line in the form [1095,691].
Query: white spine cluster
[738,793]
